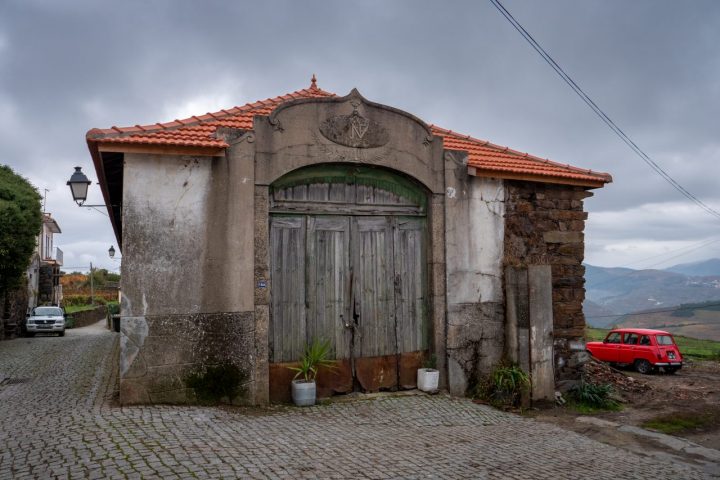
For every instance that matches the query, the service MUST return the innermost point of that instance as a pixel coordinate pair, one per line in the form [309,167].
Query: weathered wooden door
[348,264]
[374,293]
[328,274]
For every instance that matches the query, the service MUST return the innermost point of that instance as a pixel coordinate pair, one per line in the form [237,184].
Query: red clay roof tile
[486,158]
[490,158]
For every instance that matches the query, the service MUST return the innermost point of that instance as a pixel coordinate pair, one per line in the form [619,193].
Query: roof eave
[98,145]
[100,170]
[159,149]
[529,177]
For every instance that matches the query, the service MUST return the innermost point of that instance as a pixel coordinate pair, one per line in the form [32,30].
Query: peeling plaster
[475,234]
[133,332]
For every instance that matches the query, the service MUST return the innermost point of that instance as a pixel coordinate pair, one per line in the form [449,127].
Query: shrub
[20,223]
[113,308]
[80,300]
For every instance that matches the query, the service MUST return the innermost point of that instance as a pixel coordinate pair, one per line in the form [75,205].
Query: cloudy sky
[653,66]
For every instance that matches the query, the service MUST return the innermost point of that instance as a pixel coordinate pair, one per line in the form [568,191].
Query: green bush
[80,300]
[75,300]
[113,308]
[20,223]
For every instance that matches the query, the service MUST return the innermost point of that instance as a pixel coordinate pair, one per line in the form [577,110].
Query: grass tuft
[680,422]
[590,398]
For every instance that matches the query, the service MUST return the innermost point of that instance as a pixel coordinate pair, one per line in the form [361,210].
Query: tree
[20,223]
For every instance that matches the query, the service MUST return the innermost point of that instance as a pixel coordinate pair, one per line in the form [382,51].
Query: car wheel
[643,366]
[61,334]
[30,334]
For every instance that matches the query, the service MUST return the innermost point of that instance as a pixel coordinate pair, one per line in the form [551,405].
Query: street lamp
[111,254]
[79,184]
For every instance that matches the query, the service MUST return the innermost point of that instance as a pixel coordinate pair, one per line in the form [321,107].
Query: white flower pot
[428,379]
[303,393]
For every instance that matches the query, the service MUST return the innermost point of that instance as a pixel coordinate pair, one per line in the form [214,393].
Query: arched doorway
[348,263]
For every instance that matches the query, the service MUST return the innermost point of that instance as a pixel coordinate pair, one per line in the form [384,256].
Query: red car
[642,348]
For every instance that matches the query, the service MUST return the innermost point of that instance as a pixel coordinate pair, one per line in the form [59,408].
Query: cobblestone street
[57,420]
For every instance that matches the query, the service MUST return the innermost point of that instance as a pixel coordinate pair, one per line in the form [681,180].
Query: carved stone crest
[354,130]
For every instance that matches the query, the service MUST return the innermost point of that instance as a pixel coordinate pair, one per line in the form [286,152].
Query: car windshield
[664,340]
[48,311]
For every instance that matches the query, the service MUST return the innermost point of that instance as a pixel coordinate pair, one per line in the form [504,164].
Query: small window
[664,340]
[631,339]
[613,338]
[644,340]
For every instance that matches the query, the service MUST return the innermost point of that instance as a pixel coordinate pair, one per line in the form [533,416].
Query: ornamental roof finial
[313,82]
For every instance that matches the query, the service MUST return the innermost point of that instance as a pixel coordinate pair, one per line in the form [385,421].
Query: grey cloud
[654,66]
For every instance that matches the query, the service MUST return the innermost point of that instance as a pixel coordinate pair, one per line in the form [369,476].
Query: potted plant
[316,355]
[428,377]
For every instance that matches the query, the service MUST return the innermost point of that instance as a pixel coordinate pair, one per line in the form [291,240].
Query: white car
[46,320]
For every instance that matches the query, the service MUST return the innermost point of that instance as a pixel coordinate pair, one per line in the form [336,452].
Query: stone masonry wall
[13,307]
[544,226]
[89,317]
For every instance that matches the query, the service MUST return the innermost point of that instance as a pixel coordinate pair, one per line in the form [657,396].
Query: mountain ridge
[703,268]
[612,292]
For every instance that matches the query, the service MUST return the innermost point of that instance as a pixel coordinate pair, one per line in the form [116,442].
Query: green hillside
[690,347]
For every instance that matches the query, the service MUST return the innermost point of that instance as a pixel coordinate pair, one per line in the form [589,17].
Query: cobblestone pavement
[61,423]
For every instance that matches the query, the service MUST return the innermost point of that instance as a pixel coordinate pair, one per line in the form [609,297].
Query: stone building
[43,273]
[248,232]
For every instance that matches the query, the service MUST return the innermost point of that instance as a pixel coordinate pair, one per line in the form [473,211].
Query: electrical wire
[690,248]
[599,112]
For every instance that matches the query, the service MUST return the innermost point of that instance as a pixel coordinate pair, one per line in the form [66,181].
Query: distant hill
[695,320]
[623,290]
[705,268]
[599,316]
[613,292]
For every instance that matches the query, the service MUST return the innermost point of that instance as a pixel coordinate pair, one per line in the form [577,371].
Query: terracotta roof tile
[491,159]
[199,131]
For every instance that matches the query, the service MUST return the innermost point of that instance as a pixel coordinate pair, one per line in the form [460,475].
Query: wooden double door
[357,280]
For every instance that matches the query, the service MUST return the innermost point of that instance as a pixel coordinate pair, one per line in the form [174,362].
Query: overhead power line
[689,248]
[600,113]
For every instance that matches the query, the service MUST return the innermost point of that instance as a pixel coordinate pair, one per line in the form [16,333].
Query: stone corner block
[563,237]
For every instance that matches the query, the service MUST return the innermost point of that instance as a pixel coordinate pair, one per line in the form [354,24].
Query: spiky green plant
[508,382]
[430,362]
[316,355]
[594,395]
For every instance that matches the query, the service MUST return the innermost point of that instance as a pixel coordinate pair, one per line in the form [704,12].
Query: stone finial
[313,82]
